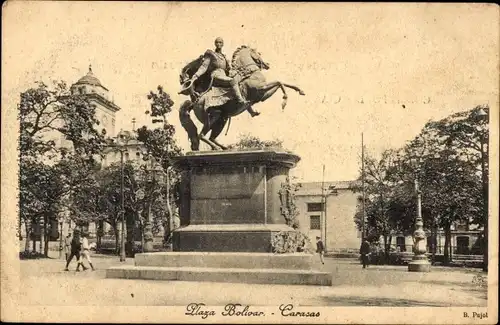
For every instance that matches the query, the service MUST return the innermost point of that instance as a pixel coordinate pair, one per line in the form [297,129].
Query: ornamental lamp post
[419,263]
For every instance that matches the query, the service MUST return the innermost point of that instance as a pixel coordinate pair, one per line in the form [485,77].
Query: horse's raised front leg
[300,91]
[269,90]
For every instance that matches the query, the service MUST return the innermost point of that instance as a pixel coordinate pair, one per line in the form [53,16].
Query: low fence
[402,258]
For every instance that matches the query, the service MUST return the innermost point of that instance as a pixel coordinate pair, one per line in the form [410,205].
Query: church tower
[98,95]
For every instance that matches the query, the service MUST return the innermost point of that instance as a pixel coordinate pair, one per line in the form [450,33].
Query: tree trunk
[143,242]
[46,238]
[27,237]
[446,245]
[386,250]
[485,193]
[434,242]
[117,237]
[100,233]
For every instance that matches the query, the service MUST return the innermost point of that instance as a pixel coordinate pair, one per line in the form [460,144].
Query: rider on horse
[216,64]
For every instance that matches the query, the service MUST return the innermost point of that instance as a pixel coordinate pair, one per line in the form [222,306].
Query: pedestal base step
[295,261]
[419,266]
[231,275]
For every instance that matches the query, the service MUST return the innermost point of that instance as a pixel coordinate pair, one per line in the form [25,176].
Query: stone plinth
[237,275]
[263,268]
[299,261]
[230,200]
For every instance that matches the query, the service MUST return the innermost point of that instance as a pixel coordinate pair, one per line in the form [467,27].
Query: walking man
[364,251]
[85,252]
[76,246]
[320,249]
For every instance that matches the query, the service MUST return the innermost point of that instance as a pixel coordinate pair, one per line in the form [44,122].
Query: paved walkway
[43,282]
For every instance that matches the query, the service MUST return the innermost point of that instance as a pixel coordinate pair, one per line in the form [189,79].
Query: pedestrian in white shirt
[86,251]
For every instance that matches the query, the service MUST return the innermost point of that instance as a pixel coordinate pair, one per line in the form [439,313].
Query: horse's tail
[188,124]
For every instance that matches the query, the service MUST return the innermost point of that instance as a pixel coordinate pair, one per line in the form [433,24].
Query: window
[314,207]
[400,243]
[315,223]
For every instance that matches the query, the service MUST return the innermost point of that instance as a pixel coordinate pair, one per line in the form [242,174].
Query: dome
[89,79]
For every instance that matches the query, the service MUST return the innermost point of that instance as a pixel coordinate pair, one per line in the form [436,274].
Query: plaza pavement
[44,283]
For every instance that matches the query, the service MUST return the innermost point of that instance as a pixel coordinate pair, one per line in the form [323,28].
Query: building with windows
[465,240]
[99,96]
[327,210]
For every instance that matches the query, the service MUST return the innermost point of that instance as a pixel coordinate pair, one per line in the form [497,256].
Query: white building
[329,214]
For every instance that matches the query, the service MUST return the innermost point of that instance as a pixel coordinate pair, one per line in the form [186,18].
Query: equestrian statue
[220,89]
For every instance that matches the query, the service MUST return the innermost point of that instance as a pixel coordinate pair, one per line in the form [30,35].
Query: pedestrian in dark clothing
[364,251]
[76,247]
[320,249]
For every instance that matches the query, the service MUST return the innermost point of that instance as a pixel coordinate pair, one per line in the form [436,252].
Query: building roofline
[103,100]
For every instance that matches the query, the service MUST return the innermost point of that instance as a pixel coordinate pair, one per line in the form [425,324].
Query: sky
[383,70]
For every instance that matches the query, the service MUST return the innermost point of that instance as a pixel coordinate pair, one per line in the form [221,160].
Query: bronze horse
[248,63]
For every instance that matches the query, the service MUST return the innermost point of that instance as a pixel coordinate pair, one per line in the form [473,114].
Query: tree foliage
[448,159]
[160,142]
[47,113]
[46,116]
[248,141]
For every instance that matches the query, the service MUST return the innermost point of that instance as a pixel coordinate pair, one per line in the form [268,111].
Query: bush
[31,255]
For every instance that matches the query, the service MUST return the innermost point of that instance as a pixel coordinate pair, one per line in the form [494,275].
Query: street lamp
[120,144]
[419,263]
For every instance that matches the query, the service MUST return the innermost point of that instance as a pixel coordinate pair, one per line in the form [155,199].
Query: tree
[40,191]
[448,182]
[248,141]
[160,144]
[467,133]
[384,205]
[448,159]
[46,114]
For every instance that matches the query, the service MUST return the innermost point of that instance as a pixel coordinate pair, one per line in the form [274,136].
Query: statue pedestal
[419,263]
[230,207]
[230,200]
